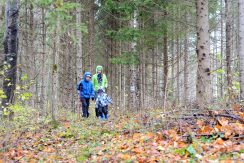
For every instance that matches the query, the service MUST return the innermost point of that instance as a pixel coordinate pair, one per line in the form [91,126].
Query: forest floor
[126,138]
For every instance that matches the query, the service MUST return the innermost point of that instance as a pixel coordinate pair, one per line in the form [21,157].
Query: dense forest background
[147,48]
[171,61]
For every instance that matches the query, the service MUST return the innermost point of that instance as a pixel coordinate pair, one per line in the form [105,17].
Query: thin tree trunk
[165,66]
[133,69]
[153,76]
[91,35]
[79,45]
[172,69]
[221,82]
[11,51]
[241,45]
[186,70]
[42,98]
[228,45]
[56,70]
[178,70]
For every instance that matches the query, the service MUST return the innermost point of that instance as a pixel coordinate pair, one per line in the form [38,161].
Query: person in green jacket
[99,81]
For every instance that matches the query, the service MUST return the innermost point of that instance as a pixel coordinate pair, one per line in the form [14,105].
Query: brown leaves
[110,142]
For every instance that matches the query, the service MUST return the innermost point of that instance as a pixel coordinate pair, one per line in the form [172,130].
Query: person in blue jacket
[86,92]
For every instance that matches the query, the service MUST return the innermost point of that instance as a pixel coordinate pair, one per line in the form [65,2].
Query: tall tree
[91,28]
[241,45]
[79,44]
[203,54]
[133,66]
[228,44]
[11,51]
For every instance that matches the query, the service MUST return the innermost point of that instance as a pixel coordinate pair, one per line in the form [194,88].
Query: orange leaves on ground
[205,130]
[123,156]
[48,149]
[138,150]
[223,121]
[219,141]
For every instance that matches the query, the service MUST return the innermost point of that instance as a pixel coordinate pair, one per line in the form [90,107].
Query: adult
[99,81]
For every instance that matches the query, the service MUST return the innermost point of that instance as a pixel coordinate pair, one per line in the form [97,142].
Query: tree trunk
[186,70]
[56,71]
[153,76]
[165,66]
[91,35]
[178,70]
[11,51]
[228,45]
[172,69]
[241,45]
[203,54]
[133,69]
[79,45]
[221,82]
[42,98]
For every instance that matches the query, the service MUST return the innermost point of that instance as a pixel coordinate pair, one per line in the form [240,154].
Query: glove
[93,98]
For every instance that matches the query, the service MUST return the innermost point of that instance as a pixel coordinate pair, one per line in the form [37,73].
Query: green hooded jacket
[95,83]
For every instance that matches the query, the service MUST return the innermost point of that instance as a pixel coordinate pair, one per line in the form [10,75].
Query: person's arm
[110,100]
[97,102]
[79,87]
[93,79]
[105,81]
[92,91]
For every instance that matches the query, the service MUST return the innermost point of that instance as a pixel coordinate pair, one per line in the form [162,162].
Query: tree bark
[203,54]
[241,46]
[165,70]
[91,30]
[133,69]
[42,98]
[186,70]
[79,45]
[228,45]
[11,51]
[221,82]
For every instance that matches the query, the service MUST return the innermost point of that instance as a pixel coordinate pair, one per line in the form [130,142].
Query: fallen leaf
[160,148]
[205,130]
[123,156]
[219,141]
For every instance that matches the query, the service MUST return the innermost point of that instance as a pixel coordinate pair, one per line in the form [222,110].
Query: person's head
[100,91]
[99,69]
[87,76]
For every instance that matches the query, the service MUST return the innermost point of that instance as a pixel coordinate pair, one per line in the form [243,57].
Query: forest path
[122,138]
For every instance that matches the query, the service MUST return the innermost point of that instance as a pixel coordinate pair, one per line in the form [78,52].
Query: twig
[222,115]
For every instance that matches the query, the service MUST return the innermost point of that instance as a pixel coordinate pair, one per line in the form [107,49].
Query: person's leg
[97,112]
[105,112]
[84,107]
[88,104]
[96,109]
[100,113]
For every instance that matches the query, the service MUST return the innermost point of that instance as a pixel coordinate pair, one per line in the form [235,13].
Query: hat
[100,90]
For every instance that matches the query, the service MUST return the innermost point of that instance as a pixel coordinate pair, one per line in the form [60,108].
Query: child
[102,102]
[99,80]
[86,92]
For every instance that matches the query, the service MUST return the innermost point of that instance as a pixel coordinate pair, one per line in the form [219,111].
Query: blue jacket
[85,87]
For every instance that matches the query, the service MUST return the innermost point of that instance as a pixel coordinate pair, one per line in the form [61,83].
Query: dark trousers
[96,109]
[85,106]
[103,112]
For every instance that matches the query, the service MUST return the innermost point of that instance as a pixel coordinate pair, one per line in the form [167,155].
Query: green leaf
[24,77]
[191,149]
[220,71]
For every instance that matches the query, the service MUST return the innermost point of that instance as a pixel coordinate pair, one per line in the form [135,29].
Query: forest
[121,81]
